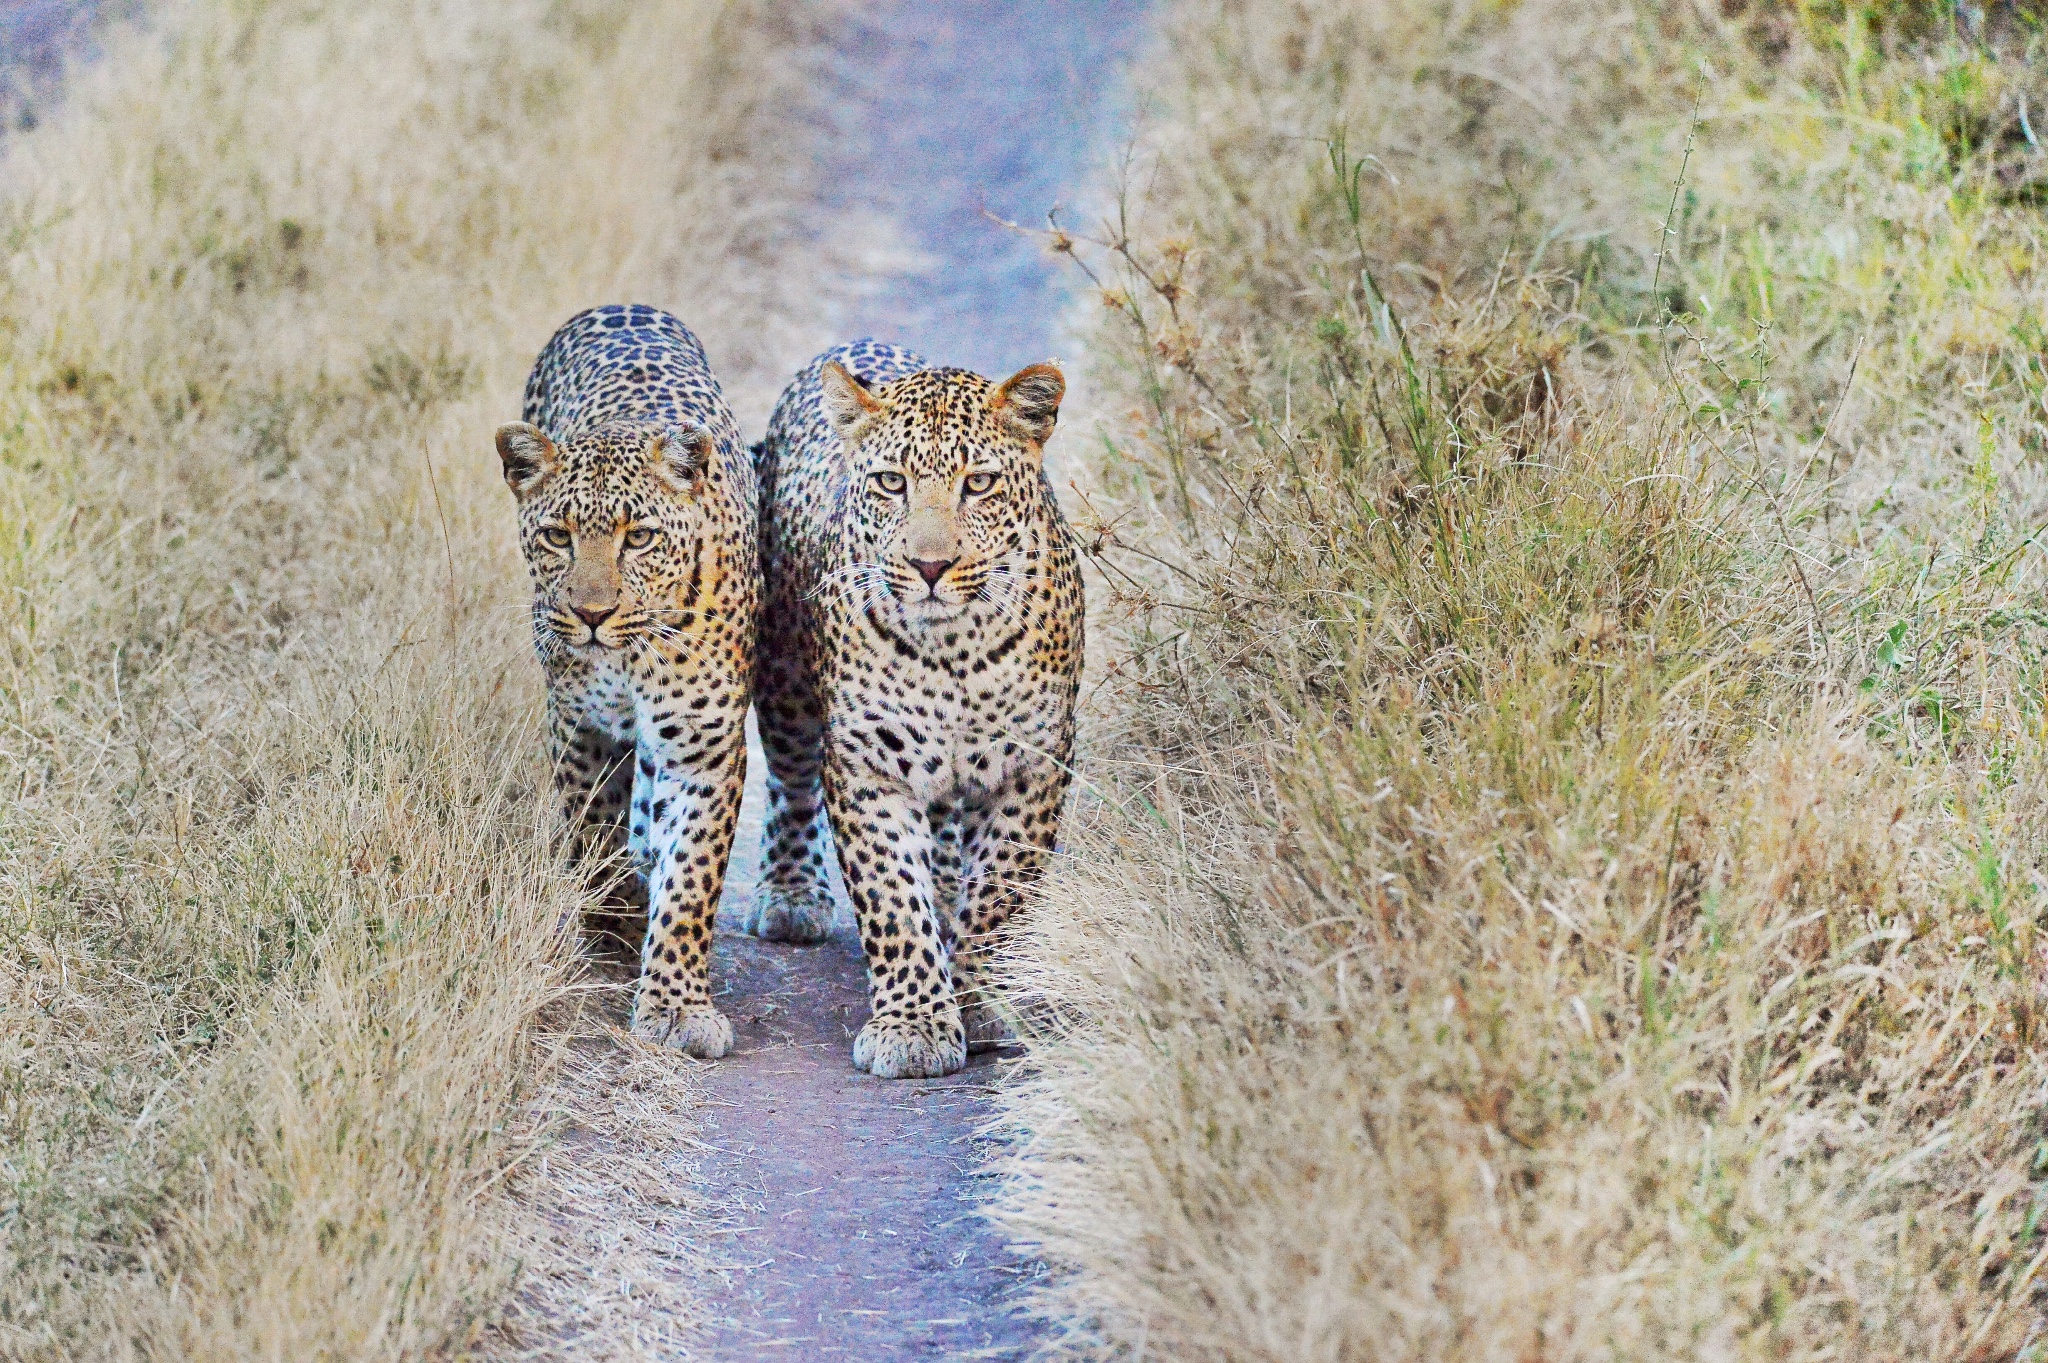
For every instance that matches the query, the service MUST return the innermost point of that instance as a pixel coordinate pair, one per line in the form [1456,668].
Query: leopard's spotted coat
[922,645]
[638,516]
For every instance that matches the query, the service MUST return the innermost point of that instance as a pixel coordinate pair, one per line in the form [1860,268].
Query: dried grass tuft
[1562,873]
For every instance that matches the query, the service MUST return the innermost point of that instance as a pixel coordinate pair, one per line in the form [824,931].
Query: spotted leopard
[921,656]
[638,517]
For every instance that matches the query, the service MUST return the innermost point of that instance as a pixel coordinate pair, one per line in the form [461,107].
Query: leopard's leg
[944,817]
[885,853]
[593,773]
[1007,837]
[593,782]
[690,798]
[793,898]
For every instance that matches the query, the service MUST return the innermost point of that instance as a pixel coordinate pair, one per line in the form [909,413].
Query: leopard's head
[943,478]
[613,525]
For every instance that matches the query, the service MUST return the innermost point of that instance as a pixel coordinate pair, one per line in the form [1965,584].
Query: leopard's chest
[954,712]
[599,692]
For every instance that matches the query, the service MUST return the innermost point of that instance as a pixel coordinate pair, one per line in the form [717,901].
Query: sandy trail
[855,1233]
[861,1236]
[946,108]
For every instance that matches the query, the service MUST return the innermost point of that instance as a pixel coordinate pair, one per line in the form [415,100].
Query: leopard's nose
[932,569]
[594,616]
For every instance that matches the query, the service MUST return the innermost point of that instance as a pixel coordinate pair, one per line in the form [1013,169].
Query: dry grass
[1563,876]
[280,923]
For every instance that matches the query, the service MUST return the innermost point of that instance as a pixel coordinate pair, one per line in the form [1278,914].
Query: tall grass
[1563,874]
[279,922]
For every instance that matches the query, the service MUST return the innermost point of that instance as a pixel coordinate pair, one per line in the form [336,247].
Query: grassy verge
[1564,875]
[278,925]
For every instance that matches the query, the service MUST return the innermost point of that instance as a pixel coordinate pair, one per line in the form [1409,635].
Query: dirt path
[35,37]
[947,107]
[860,1236]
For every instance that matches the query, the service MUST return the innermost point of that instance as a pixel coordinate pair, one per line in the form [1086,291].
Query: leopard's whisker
[1001,587]
[859,583]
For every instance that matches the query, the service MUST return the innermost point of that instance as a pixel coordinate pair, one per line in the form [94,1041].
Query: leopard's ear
[849,404]
[528,456]
[1029,401]
[681,454]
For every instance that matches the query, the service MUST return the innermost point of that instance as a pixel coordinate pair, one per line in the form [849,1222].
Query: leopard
[638,513]
[922,643]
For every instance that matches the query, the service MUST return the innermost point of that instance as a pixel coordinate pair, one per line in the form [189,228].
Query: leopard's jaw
[932,612]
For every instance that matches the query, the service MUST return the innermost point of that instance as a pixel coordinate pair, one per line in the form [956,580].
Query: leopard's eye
[639,537]
[556,536]
[978,483]
[891,482]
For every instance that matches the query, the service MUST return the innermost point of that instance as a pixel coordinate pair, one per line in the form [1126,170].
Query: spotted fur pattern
[922,651]
[638,519]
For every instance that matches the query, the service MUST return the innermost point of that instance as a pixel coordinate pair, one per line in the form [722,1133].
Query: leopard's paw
[984,1026]
[701,1031]
[898,1047]
[778,914]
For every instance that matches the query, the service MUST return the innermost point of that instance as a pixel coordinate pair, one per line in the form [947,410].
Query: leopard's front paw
[779,914]
[898,1047]
[701,1031]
